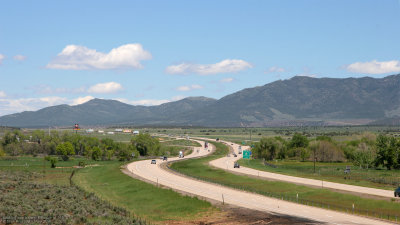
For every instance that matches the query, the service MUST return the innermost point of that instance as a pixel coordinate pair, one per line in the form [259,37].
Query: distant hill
[294,102]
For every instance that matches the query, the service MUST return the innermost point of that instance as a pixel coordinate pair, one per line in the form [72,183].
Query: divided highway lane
[155,173]
[227,163]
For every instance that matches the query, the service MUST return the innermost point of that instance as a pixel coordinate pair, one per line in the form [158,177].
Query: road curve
[155,173]
[227,163]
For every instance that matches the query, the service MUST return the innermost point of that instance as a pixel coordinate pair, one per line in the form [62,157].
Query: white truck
[181,154]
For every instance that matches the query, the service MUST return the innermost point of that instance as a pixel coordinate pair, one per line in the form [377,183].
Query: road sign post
[246,154]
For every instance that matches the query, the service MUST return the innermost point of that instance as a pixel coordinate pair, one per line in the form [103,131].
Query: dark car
[153,161]
[236,165]
[234,155]
[397,192]
[165,158]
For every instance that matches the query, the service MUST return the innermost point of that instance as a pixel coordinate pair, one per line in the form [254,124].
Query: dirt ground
[232,215]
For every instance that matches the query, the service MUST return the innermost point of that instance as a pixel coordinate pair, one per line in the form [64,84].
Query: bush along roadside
[24,201]
[318,197]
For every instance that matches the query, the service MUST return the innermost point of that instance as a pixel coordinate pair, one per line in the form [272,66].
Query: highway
[155,173]
[227,163]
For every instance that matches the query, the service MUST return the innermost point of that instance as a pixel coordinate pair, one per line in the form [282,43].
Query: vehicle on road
[397,192]
[236,165]
[153,161]
[165,158]
[217,139]
[234,155]
[181,154]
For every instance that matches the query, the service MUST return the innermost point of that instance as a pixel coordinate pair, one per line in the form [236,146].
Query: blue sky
[151,52]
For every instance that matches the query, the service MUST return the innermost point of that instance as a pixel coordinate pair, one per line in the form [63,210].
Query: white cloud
[1,58]
[46,89]
[75,57]
[225,66]
[146,102]
[189,88]
[275,69]
[8,106]
[227,80]
[105,88]
[2,94]
[374,67]
[19,57]
[150,102]
[81,100]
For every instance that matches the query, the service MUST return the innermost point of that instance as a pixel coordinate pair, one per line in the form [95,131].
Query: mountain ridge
[297,101]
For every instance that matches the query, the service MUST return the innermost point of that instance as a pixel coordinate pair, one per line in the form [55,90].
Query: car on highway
[153,161]
[165,158]
[234,155]
[236,165]
[397,192]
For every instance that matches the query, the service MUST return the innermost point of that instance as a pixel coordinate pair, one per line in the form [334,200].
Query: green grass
[319,197]
[59,176]
[145,200]
[181,142]
[333,172]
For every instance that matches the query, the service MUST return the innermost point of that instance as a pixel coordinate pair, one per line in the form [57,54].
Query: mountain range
[294,102]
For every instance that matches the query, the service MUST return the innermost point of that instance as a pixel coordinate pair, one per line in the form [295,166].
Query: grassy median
[318,197]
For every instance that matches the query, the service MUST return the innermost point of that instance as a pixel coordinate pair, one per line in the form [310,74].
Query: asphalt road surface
[228,162]
[155,173]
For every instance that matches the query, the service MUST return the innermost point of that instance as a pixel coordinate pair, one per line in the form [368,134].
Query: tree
[2,153]
[52,161]
[65,150]
[298,141]
[96,153]
[267,148]
[387,152]
[146,145]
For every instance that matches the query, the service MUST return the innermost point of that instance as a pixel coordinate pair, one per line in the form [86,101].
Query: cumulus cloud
[19,57]
[150,102]
[1,58]
[48,90]
[374,67]
[2,94]
[75,57]
[227,80]
[81,100]
[189,88]
[275,69]
[225,66]
[8,106]
[105,88]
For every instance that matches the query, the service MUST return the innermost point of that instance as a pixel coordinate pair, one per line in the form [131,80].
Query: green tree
[387,150]
[2,153]
[52,161]
[65,150]
[146,145]
[96,153]
[267,148]
[298,141]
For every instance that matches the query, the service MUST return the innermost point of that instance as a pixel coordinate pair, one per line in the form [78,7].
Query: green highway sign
[246,154]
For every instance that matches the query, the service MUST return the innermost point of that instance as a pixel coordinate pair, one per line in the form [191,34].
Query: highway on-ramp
[156,173]
[227,163]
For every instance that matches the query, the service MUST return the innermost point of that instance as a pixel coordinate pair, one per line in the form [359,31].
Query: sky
[153,52]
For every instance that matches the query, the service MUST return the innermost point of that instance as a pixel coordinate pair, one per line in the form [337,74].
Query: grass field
[110,185]
[325,198]
[334,172]
[146,200]
[181,142]
[31,194]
